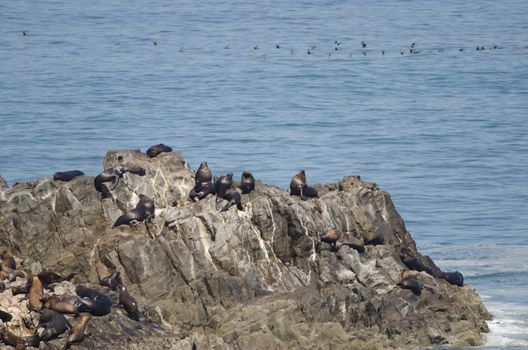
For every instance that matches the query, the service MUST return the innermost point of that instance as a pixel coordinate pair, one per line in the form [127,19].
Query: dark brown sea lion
[65,304]
[94,302]
[35,294]
[5,316]
[247,182]
[351,241]
[19,342]
[155,150]
[418,262]
[108,278]
[299,186]
[144,211]
[54,324]
[128,302]
[22,289]
[67,175]
[204,185]
[224,190]
[77,332]
[48,277]
[113,175]
[413,284]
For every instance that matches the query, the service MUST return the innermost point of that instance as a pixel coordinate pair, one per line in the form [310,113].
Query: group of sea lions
[224,190]
[50,308]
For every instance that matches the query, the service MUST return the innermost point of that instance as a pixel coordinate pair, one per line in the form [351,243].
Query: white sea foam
[509,327]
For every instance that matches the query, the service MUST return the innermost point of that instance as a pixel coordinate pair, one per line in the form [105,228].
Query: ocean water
[445,130]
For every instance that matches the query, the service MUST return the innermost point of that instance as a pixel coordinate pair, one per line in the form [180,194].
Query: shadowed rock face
[257,278]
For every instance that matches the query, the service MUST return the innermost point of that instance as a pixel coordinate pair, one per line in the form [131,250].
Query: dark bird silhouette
[364,44]
[308,51]
[24,33]
[226,47]
[255,47]
[277,46]
[155,43]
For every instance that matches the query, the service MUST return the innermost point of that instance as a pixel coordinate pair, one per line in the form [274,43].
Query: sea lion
[54,324]
[128,302]
[94,302]
[203,180]
[351,241]
[299,186]
[77,331]
[413,284]
[418,262]
[21,289]
[19,342]
[5,316]
[454,277]
[224,190]
[247,182]
[331,236]
[48,277]
[65,304]
[8,261]
[144,211]
[112,281]
[113,175]
[34,295]
[67,175]
[155,150]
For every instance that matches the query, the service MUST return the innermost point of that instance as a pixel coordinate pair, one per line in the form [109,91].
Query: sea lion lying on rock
[54,324]
[299,186]
[94,302]
[76,334]
[67,175]
[156,150]
[144,211]
[338,239]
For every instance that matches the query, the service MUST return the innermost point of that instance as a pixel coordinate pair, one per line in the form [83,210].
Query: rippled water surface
[445,130]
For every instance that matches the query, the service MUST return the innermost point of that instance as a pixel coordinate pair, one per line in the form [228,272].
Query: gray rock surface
[258,278]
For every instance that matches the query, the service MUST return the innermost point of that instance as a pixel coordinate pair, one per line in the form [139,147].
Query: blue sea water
[445,131]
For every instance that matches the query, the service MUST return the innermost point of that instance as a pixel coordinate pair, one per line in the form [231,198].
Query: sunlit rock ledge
[252,279]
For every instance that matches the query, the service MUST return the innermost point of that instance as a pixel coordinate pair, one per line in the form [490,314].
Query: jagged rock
[256,278]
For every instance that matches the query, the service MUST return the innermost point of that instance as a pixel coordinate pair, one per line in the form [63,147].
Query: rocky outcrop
[257,278]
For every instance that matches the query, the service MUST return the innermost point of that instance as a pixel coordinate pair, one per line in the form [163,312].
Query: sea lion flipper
[115,182]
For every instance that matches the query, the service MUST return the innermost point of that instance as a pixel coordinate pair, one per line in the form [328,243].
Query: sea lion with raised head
[113,175]
[67,175]
[35,294]
[77,331]
[247,182]
[129,303]
[156,150]
[224,190]
[203,180]
[112,281]
[94,302]
[54,324]
[299,186]
[144,211]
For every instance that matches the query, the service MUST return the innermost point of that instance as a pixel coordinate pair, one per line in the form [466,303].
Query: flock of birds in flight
[412,49]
